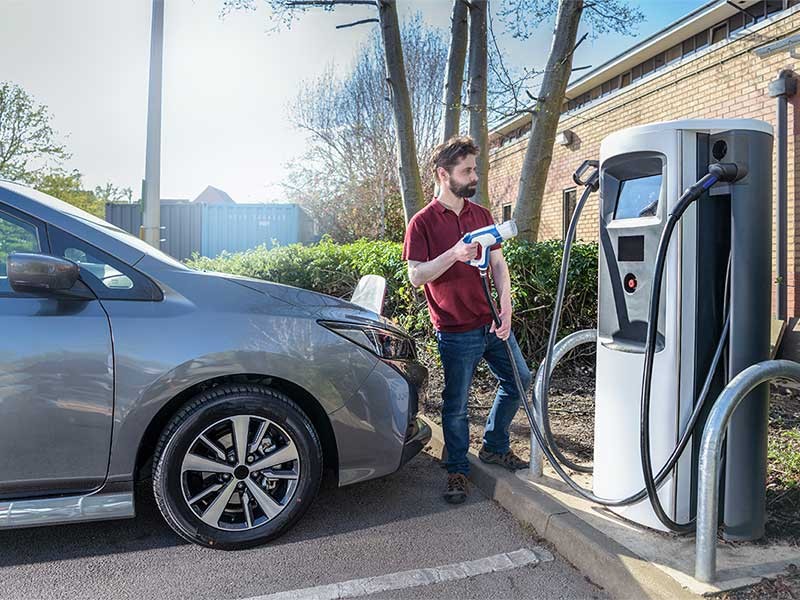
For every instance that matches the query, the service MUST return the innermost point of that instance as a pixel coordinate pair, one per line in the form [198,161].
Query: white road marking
[417,577]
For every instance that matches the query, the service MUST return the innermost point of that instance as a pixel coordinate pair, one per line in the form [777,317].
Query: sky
[227,81]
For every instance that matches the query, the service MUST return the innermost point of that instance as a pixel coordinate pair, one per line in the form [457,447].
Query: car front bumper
[418,436]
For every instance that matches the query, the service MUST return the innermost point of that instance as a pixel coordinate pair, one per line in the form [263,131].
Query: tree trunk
[410,182]
[454,78]
[382,201]
[478,67]
[539,154]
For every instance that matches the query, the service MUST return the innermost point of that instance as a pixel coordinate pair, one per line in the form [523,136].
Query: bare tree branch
[575,47]
[354,23]
[506,86]
[347,178]
[523,17]
[324,3]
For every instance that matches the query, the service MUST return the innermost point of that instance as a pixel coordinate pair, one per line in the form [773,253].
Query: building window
[736,22]
[774,6]
[569,198]
[701,40]
[625,79]
[673,54]
[636,72]
[660,60]
[506,212]
[757,11]
[719,33]
[688,46]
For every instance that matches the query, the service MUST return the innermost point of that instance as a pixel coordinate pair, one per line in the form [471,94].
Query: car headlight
[381,342]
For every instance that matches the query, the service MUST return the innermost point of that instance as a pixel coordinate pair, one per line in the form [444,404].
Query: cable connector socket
[727,172]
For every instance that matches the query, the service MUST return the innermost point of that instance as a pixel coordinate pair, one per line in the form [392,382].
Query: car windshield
[132,240]
[93,221]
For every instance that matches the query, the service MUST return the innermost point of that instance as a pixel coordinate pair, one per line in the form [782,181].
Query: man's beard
[464,191]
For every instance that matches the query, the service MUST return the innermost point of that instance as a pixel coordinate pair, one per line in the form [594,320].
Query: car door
[56,380]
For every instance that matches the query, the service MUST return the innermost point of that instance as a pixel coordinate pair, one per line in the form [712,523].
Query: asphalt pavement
[395,529]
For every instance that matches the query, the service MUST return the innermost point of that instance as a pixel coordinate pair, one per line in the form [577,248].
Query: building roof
[696,21]
[212,195]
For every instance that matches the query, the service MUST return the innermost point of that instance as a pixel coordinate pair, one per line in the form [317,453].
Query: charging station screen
[630,248]
[638,197]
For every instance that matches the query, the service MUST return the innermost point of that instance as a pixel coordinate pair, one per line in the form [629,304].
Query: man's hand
[420,273]
[464,252]
[504,330]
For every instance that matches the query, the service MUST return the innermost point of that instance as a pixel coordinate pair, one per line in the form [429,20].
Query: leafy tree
[112,193]
[69,188]
[29,154]
[27,140]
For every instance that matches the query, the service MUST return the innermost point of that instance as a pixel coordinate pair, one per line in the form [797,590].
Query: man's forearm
[502,283]
[425,272]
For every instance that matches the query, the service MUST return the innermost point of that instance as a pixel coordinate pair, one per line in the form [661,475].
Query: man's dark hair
[449,153]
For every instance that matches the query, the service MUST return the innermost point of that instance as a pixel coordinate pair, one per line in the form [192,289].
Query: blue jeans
[461,353]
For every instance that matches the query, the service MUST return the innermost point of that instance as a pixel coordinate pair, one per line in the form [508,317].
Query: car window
[108,277]
[16,235]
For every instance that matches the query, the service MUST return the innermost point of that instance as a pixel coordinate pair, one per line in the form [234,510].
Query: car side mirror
[41,274]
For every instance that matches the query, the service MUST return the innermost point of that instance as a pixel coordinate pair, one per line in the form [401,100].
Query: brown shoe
[508,460]
[457,488]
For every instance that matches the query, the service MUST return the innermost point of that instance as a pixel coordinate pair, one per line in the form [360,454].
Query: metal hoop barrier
[705,568]
[562,348]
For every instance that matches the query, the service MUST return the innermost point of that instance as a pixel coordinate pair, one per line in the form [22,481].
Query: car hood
[321,305]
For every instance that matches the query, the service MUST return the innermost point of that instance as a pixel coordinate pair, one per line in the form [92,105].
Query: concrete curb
[603,560]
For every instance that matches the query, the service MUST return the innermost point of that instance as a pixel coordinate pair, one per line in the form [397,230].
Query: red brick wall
[728,81]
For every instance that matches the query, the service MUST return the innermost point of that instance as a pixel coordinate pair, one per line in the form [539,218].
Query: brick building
[702,66]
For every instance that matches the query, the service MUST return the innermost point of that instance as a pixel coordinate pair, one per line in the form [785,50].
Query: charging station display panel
[630,248]
[632,186]
[638,197]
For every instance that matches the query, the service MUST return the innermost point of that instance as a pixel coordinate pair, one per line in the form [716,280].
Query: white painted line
[418,577]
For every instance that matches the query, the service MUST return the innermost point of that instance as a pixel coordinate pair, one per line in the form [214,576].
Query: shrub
[335,269]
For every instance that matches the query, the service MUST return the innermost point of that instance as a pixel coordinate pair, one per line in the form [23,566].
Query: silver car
[118,363]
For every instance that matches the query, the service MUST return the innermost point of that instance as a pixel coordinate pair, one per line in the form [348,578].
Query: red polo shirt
[456,300]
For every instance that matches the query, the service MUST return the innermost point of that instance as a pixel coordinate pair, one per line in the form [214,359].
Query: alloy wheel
[240,473]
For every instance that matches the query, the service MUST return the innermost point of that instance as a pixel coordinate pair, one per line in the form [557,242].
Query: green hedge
[336,268]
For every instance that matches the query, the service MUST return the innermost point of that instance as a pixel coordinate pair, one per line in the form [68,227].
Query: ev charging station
[723,241]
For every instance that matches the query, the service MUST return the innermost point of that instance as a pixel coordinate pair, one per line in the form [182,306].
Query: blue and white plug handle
[487,237]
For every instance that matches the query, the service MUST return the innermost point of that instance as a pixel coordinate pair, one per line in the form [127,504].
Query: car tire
[244,498]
